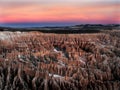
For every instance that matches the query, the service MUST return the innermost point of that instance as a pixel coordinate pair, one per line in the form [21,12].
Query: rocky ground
[48,61]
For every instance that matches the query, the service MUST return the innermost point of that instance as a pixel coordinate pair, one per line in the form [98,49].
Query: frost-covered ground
[10,35]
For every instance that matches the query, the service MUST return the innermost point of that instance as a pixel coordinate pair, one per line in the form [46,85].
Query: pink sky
[88,11]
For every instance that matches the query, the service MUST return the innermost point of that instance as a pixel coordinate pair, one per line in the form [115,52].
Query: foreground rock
[37,61]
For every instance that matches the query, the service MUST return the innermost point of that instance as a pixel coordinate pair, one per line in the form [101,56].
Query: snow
[103,46]
[82,60]
[19,56]
[55,50]
[6,59]
[18,32]
[61,63]
[8,35]
[55,75]
[3,36]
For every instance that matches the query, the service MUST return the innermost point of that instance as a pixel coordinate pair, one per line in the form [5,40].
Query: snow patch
[6,59]
[55,50]
[3,36]
[19,56]
[82,60]
[18,32]
[55,75]
[61,63]
[9,35]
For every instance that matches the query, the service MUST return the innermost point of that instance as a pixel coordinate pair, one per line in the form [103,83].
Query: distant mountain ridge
[83,28]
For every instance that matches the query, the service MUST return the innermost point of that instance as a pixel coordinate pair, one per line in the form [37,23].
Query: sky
[60,11]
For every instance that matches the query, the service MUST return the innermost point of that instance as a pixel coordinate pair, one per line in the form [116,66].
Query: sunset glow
[99,11]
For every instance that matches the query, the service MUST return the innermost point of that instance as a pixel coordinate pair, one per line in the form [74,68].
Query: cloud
[58,1]
[46,3]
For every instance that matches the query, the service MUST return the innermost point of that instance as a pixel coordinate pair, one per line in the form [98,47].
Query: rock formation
[37,61]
